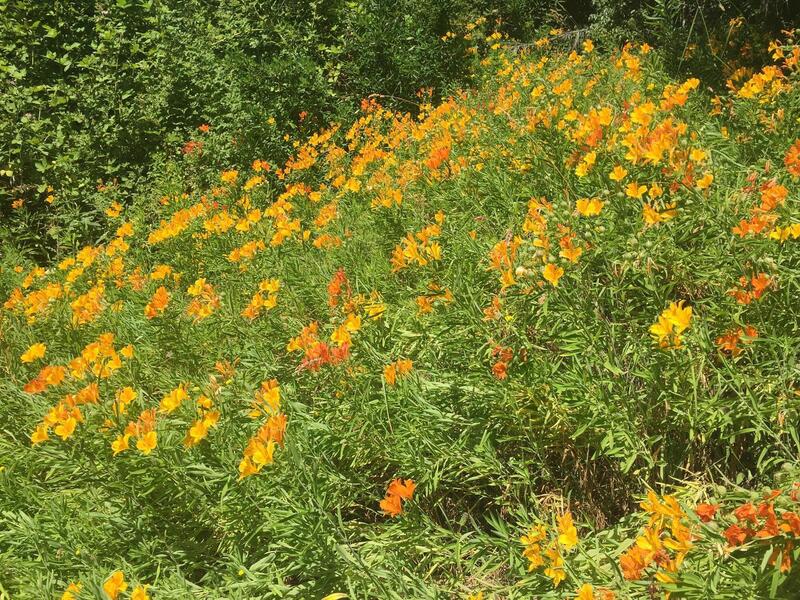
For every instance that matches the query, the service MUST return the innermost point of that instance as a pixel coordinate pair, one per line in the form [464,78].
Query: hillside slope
[530,304]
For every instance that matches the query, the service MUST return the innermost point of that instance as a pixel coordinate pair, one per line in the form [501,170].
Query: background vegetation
[97,94]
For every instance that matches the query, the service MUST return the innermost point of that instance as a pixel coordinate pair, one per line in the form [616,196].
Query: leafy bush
[95,91]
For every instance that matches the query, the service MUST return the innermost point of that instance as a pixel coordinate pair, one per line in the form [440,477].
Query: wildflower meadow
[537,339]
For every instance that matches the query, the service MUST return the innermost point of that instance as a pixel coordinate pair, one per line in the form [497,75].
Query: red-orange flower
[746,512]
[736,536]
[706,512]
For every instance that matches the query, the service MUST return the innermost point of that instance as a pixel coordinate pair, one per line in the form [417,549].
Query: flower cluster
[550,555]
[664,534]
[261,447]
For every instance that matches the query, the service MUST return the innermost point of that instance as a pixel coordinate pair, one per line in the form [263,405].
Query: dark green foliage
[704,38]
[94,91]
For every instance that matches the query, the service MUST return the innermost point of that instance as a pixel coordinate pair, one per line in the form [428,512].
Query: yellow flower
[341,336]
[35,352]
[634,190]
[679,316]
[698,155]
[115,585]
[353,323]
[533,550]
[705,181]
[197,287]
[197,432]
[39,434]
[147,443]
[114,210]
[589,207]
[567,534]
[120,444]
[124,397]
[586,592]
[618,173]
[671,323]
[173,400]
[552,273]
[140,593]
[556,569]
[229,177]
[66,428]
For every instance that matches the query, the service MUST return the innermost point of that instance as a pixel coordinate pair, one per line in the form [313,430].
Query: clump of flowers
[419,248]
[665,532]
[143,429]
[316,352]
[266,298]
[502,258]
[113,587]
[436,295]
[204,300]
[100,358]
[763,526]
[207,418]
[261,447]
[551,555]
[729,342]
[86,307]
[751,289]
[502,356]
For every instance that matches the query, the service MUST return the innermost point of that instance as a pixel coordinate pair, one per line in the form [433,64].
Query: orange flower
[391,505]
[706,512]
[158,303]
[791,523]
[403,489]
[792,159]
[634,561]
[397,369]
[398,490]
[72,591]
[746,512]
[500,369]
